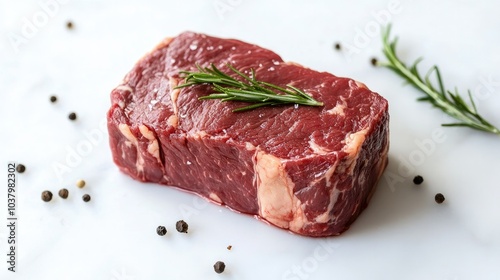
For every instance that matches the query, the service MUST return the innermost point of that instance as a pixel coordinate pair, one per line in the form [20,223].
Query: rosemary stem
[450,103]
[245,89]
[428,91]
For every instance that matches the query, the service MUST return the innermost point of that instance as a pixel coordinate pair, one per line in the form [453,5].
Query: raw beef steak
[311,170]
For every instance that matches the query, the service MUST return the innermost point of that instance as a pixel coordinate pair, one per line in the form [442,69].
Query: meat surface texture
[311,170]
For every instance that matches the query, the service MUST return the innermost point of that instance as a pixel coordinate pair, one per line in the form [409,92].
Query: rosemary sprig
[449,102]
[247,89]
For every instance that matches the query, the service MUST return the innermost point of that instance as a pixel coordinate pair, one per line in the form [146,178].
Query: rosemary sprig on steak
[447,101]
[246,89]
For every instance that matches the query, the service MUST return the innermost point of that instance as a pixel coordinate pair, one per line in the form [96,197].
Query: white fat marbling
[277,203]
[317,149]
[153,146]
[125,130]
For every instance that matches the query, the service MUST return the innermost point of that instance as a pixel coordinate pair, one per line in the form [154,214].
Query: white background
[403,234]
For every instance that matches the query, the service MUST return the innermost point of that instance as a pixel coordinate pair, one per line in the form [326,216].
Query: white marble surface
[403,234]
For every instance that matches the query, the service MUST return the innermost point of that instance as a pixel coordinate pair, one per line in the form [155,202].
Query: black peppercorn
[181,226]
[219,267]
[418,180]
[20,168]
[439,198]
[53,98]
[72,116]
[69,25]
[46,196]
[161,230]
[86,197]
[63,193]
[374,61]
[337,46]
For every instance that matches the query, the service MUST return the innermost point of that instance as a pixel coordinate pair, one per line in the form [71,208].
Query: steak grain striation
[311,170]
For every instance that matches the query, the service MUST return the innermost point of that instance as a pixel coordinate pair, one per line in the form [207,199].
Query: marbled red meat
[311,170]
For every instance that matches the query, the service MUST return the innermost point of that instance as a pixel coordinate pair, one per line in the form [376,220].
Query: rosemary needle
[449,102]
[246,89]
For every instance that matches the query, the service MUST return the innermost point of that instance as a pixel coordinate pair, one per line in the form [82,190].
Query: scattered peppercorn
[161,230]
[86,197]
[20,168]
[72,116]
[418,180]
[219,267]
[80,183]
[63,193]
[337,46]
[374,61]
[46,196]
[53,98]
[439,198]
[69,25]
[229,247]
[181,226]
